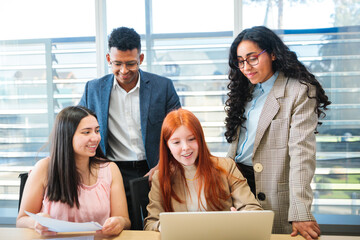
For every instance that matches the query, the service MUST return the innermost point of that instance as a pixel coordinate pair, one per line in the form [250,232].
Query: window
[332,56]
[46,61]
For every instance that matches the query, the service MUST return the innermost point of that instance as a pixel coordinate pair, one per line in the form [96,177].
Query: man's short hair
[124,39]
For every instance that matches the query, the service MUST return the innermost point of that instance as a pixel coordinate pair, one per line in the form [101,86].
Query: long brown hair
[63,178]
[207,171]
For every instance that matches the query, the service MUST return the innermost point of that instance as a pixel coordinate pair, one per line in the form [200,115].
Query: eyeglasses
[131,66]
[252,60]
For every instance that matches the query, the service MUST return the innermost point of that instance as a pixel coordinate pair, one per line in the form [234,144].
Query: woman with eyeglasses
[272,113]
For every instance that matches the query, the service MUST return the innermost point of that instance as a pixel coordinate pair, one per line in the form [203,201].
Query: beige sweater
[241,196]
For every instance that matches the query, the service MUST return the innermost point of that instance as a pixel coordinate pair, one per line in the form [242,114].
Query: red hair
[208,171]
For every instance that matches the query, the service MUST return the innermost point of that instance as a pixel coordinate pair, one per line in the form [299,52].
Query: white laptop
[248,225]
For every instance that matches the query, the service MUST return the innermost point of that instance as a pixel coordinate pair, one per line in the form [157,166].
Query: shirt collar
[267,85]
[116,84]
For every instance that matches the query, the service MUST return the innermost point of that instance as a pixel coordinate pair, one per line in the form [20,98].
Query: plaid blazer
[284,155]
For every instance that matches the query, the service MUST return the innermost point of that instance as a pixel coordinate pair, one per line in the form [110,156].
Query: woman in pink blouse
[76,183]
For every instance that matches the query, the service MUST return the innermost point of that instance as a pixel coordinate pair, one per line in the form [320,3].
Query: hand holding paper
[42,230]
[64,226]
[112,226]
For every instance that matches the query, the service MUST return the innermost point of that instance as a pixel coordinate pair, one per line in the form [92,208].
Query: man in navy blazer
[157,98]
[130,105]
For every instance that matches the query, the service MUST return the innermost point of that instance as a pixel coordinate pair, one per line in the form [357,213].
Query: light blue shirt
[252,112]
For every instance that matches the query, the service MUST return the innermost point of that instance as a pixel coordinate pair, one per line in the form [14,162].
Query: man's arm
[83,101]
[172,101]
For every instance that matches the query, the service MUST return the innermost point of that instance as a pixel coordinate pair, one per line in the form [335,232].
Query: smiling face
[86,138]
[260,72]
[183,146]
[121,62]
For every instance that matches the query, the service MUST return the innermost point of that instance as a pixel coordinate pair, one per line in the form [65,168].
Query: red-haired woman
[191,178]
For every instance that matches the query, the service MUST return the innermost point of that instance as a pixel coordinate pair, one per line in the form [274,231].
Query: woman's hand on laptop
[309,230]
[233,209]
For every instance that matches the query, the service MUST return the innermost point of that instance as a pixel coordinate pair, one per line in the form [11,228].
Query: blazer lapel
[179,188]
[105,87]
[270,109]
[145,93]
[233,145]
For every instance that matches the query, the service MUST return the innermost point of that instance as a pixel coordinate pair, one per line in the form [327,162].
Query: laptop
[248,225]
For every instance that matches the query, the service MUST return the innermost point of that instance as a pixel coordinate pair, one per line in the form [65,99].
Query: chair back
[23,177]
[139,190]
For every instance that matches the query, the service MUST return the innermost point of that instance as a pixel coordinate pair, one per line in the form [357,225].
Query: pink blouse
[94,201]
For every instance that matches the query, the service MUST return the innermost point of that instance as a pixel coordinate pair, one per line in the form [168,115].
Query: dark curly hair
[124,39]
[241,89]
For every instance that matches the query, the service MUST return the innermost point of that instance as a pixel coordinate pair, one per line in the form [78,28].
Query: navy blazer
[157,98]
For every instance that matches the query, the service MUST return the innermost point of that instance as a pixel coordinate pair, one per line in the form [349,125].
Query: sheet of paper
[72,238]
[64,226]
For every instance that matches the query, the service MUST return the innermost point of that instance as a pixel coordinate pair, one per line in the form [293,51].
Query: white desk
[27,234]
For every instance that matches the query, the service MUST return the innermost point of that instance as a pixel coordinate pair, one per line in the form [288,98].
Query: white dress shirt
[125,138]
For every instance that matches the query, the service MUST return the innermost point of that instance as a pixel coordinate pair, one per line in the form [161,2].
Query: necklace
[191,179]
[86,178]
[190,171]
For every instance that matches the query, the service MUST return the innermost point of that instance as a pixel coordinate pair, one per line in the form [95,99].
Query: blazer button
[258,167]
[261,196]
